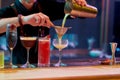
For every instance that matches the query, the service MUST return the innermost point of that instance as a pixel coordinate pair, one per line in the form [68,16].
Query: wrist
[20,20]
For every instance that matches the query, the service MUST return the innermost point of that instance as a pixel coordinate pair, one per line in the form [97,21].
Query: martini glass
[28,40]
[59,43]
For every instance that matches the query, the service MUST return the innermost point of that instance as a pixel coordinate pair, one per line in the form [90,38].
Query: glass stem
[60,56]
[28,56]
[113,58]
[11,57]
[60,39]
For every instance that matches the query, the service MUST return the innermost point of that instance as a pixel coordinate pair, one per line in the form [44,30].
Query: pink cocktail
[44,52]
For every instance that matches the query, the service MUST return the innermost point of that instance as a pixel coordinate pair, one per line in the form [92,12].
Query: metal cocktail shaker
[76,10]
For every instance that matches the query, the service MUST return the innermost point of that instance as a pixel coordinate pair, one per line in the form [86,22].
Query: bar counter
[101,72]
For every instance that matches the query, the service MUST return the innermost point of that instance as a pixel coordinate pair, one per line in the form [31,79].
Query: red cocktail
[43,52]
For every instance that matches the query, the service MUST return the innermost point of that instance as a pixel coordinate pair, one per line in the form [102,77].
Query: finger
[72,16]
[48,23]
[37,19]
[42,20]
[84,3]
[81,2]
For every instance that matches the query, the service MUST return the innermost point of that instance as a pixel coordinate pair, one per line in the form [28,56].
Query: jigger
[113,46]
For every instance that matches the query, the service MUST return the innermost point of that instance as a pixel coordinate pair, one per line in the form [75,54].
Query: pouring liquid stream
[64,19]
[63,23]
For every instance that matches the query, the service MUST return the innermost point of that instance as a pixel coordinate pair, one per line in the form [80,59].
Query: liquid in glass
[1,59]
[43,52]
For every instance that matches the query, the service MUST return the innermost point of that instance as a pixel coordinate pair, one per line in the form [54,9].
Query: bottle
[76,10]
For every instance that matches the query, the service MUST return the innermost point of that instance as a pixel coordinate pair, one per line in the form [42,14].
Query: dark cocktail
[28,41]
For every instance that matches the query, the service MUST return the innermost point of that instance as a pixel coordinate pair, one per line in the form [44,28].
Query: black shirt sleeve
[6,12]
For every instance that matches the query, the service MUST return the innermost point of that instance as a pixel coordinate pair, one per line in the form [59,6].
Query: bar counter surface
[101,72]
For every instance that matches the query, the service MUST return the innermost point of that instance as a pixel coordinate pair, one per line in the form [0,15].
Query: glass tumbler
[1,59]
[44,52]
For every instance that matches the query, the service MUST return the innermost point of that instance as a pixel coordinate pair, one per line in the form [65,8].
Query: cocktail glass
[60,45]
[113,49]
[11,37]
[44,52]
[28,40]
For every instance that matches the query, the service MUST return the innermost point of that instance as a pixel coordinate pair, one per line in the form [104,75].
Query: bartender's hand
[38,19]
[80,2]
